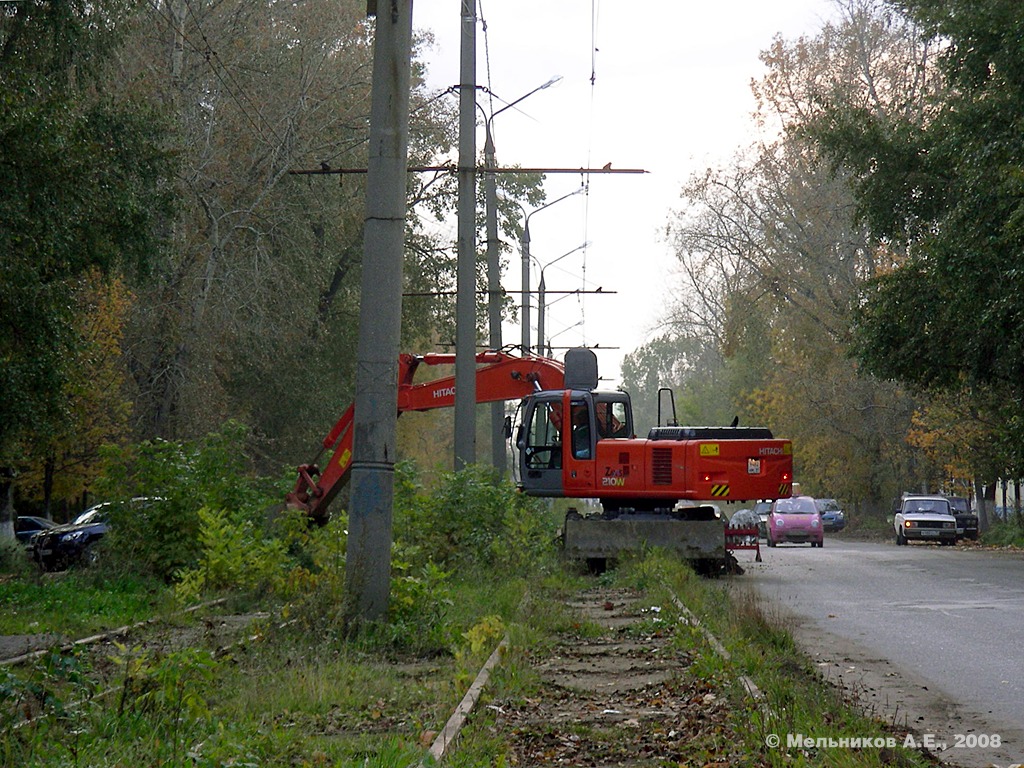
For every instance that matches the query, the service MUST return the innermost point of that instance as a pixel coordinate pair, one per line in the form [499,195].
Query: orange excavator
[573,441]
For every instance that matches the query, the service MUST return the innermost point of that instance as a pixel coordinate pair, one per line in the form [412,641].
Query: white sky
[671,95]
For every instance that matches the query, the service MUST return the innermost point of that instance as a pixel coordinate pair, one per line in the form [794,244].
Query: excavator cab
[561,436]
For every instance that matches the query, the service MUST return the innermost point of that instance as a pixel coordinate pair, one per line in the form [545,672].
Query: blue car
[56,548]
[27,526]
[832,516]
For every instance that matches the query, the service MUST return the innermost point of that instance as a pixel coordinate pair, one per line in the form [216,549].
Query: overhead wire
[209,52]
[487,56]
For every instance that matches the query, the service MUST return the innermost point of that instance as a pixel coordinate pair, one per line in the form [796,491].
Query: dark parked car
[966,521]
[64,545]
[27,526]
[832,516]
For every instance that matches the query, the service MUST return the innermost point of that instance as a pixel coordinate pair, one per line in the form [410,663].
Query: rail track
[196,627]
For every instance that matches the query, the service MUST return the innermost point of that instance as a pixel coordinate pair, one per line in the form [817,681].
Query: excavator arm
[499,376]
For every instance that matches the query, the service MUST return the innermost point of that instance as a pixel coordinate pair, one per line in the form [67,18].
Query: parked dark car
[966,521]
[63,545]
[832,516]
[27,526]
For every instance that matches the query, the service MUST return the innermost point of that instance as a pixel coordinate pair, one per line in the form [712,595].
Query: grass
[1004,534]
[304,692]
[308,692]
[77,602]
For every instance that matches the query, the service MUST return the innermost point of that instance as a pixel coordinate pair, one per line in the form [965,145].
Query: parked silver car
[924,518]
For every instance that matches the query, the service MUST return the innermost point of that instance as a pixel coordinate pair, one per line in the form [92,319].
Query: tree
[943,187]
[65,465]
[82,185]
[253,313]
[773,259]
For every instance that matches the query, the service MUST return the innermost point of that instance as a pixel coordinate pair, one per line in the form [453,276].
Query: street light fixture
[554,336]
[491,203]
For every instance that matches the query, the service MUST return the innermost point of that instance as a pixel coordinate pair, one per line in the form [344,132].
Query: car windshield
[928,506]
[795,507]
[828,505]
[90,516]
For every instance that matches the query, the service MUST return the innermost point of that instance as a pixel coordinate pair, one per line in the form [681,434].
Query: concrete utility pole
[465,281]
[368,556]
[493,293]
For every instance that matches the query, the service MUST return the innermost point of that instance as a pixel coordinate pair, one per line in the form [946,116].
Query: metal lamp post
[498,458]
[541,297]
[525,251]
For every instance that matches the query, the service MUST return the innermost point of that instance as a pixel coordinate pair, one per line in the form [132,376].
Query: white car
[924,518]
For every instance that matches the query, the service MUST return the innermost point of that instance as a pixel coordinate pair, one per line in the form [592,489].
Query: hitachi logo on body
[770,452]
[444,392]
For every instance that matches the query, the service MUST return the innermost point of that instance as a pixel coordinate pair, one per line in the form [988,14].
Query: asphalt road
[927,636]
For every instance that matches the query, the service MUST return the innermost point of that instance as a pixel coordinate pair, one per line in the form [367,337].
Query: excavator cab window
[582,445]
[612,418]
[539,443]
[543,442]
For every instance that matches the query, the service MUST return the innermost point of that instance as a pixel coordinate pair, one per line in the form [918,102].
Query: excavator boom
[500,376]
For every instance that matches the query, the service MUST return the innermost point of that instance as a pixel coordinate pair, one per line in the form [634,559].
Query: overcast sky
[663,86]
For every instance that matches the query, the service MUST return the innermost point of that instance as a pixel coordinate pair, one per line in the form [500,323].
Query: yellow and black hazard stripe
[719,490]
[785,489]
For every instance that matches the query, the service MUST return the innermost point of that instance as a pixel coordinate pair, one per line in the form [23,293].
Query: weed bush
[210,473]
[1004,534]
[13,559]
[471,522]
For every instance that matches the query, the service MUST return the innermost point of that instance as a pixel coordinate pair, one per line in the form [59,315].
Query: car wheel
[901,540]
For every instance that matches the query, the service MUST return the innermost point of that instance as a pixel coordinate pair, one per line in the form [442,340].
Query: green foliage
[54,127]
[420,611]
[42,691]
[13,558]
[285,559]
[233,556]
[78,602]
[165,686]
[943,185]
[1009,533]
[692,367]
[182,477]
[485,634]
[471,521]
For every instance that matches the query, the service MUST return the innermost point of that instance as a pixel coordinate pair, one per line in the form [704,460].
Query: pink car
[795,520]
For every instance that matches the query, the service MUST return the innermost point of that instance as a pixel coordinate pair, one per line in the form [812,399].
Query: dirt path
[625,697]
